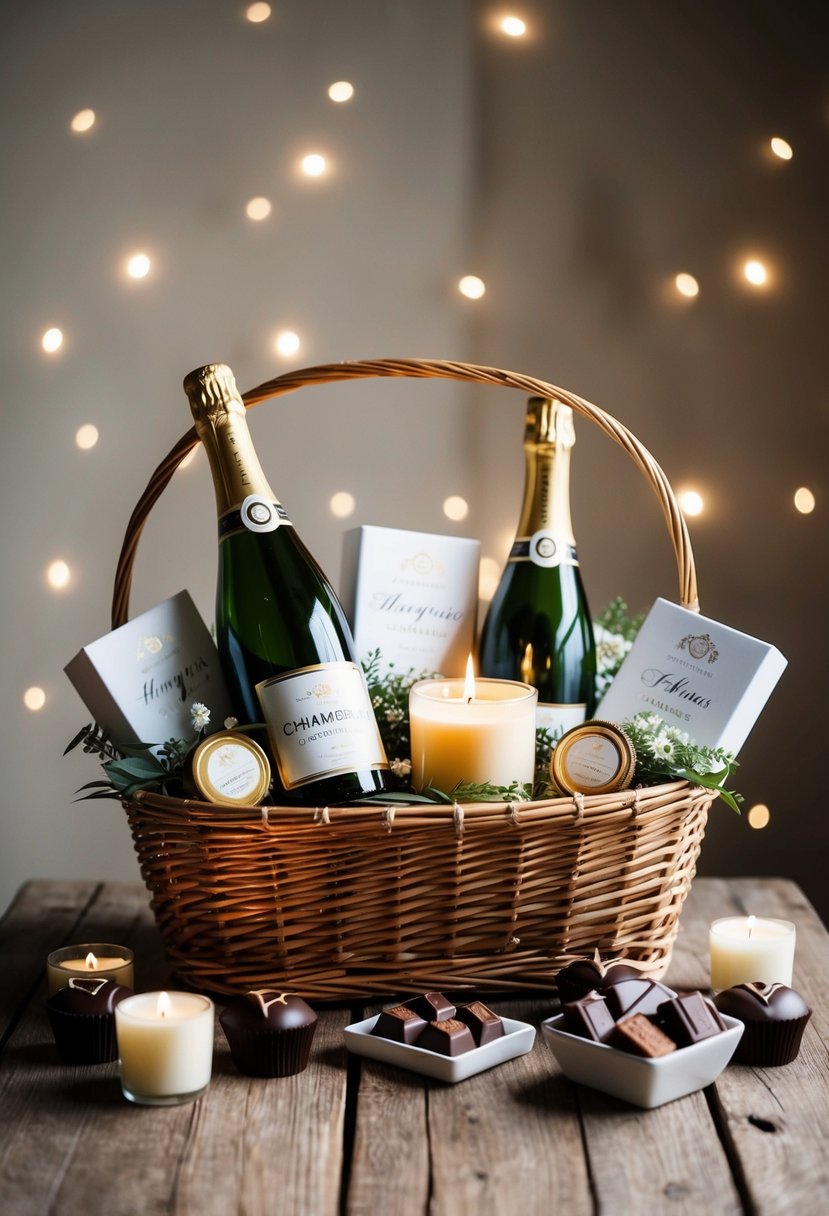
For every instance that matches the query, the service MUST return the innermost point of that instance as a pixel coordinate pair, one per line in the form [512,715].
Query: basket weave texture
[357,901]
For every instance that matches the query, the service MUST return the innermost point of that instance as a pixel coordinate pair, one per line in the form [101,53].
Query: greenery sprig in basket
[663,752]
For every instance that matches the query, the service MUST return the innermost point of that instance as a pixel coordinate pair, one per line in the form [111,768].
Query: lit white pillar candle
[472,731]
[165,1041]
[99,960]
[750,949]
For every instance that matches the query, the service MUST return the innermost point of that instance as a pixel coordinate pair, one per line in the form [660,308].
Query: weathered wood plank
[494,1139]
[390,1163]
[42,917]
[776,1120]
[70,1142]
[509,1139]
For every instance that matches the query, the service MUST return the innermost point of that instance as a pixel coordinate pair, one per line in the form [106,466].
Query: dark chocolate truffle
[586,975]
[269,1033]
[775,1017]
[81,1016]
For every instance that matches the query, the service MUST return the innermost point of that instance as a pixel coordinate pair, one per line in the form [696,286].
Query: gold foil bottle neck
[549,421]
[212,392]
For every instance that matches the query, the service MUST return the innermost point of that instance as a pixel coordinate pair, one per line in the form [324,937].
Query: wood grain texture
[776,1120]
[359,1137]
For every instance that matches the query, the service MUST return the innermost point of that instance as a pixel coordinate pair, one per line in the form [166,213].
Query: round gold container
[593,758]
[230,769]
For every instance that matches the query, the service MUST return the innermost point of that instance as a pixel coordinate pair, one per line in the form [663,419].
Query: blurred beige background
[576,170]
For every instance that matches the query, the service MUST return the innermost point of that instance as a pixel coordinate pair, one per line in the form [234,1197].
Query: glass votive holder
[165,1042]
[95,960]
[488,738]
[749,950]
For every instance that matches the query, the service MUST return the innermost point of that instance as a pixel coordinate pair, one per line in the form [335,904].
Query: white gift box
[704,677]
[139,681]
[412,594]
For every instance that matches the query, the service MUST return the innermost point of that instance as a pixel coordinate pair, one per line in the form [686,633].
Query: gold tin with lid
[230,769]
[593,758]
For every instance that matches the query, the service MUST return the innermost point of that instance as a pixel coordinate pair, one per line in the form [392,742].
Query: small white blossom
[662,748]
[231,723]
[394,715]
[200,715]
[676,735]
[401,768]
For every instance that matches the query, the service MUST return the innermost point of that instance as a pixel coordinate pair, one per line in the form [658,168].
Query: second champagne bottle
[538,628]
[282,635]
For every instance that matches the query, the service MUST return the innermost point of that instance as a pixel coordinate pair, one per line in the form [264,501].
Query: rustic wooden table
[354,1136]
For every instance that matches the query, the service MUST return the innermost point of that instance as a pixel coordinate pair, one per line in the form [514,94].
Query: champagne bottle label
[543,549]
[558,718]
[320,723]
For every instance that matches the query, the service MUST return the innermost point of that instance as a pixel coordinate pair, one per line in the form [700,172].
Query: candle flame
[163,1007]
[751,921]
[91,962]
[469,682]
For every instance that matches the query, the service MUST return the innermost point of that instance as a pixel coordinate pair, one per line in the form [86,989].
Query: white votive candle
[165,1041]
[95,960]
[750,949]
[488,736]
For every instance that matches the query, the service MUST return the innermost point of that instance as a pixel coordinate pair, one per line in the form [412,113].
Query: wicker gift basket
[355,901]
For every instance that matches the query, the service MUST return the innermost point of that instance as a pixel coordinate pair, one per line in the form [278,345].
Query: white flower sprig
[666,752]
[200,715]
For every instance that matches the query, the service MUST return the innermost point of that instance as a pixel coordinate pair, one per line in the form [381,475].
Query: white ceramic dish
[517,1040]
[643,1082]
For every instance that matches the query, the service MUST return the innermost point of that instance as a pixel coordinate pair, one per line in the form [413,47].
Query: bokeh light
[804,500]
[686,285]
[83,121]
[52,340]
[314,164]
[86,436]
[758,816]
[781,147]
[287,342]
[256,13]
[341,90]
[471,286]
[58,574]
[34,698]
[691,502]
[342,504]
[138,266]
[258,208]
[455,507]
[755,272]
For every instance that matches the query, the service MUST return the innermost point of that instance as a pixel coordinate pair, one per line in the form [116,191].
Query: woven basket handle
[420,369]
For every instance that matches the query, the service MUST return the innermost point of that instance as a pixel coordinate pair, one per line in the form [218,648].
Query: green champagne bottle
[283,638]
[538,627]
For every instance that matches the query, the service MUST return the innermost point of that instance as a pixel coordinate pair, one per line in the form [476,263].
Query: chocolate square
[448,1037]
[400,1023]
[432,1006]
[642,1037]
[484,1024]
[589,1018]
[631,996]
[689,1018]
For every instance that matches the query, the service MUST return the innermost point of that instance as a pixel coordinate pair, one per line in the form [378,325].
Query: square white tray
[517,1040]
